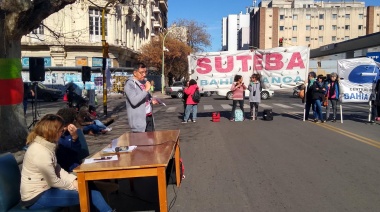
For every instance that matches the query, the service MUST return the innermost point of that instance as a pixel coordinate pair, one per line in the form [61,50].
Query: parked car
[43,92]
[265,93]
[176,90]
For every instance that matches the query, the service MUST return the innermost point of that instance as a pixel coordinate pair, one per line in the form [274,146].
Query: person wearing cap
[332,88]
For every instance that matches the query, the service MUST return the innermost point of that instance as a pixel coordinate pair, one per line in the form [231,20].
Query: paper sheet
[100,159]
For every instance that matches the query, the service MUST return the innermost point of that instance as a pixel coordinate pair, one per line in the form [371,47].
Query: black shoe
[315,120]
[333,120]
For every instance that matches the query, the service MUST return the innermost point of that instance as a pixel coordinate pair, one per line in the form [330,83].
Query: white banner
[281,67]
[357,77]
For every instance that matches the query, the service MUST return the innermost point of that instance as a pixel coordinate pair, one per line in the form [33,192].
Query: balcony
[156,9]
[156,24]
[164,5]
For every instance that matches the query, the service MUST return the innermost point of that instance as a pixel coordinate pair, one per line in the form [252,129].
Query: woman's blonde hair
[48,127]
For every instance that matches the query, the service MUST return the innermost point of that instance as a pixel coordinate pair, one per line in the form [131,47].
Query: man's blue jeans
[190,108]
[91,127]
[55,197]
[100,124]
[318,110]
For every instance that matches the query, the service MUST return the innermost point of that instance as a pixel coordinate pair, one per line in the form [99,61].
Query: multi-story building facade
[73,36]
[308,22]
[235,32]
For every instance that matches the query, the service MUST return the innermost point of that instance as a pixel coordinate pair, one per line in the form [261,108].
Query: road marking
[226,106]
[298,105]
[349,134]
[352,135]
[265,106]
[246,106]
[208,107]
[171,109]
[283,106]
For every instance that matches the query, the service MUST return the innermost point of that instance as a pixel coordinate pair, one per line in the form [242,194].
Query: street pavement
[280,165]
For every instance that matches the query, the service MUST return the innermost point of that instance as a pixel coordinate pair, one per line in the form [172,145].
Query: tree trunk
[13,128]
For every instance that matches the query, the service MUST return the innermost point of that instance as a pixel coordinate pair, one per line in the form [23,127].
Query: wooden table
[150,158]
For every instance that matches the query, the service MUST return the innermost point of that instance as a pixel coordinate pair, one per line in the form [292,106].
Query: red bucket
[215,117]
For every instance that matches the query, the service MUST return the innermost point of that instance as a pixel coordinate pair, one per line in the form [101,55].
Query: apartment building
[314,23]
[73,36]
[235,32]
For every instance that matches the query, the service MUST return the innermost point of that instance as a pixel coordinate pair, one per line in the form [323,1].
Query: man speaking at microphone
[139,101]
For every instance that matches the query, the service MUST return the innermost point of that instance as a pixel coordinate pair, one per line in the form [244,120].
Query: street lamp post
[105,47]
[163,62]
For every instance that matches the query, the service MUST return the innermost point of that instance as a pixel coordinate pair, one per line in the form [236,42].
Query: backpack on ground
[239,116]
[196,96]
[268,115]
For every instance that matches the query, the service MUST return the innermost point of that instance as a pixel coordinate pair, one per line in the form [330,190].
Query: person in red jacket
[190,104]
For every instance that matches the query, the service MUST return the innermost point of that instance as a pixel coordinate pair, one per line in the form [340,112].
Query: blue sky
[211,12]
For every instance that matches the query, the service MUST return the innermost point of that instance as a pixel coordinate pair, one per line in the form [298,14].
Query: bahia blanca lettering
[358,96]
[272,80]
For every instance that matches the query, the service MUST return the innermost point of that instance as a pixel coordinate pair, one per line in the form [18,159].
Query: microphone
[121,148]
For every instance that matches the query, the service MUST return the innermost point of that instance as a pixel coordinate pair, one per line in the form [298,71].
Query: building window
[294,39]
[321,27]
[281,28]
[347,16]
[308,27]
[334,16]
[307,39]
[320,39]
[346,38]
[39,30]
[333,27]
[95,22]
[333,38]
[360,26]
[294,28]
[282,17]
[360,16]
[295,17]
[347,27]
[308,16]
[321,16]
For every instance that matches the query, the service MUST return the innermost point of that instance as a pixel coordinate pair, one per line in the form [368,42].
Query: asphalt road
[280,165]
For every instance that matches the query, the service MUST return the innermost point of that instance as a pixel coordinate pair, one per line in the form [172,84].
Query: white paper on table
[112,149]
[100,159]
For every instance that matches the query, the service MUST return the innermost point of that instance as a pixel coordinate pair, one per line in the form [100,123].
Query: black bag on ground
[196,96]
[268,115]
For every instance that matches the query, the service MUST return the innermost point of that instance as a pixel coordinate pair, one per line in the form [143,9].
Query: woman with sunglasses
[43,182]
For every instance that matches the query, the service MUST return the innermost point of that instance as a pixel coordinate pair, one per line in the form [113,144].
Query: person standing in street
[309,94]
[237,89]
[190,104]
[139,101]
[332,95]
[254,88]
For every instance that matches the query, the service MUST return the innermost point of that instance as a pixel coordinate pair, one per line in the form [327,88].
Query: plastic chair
[10,179]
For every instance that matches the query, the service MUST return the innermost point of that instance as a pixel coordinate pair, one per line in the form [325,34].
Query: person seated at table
[43,182]
[72,145]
